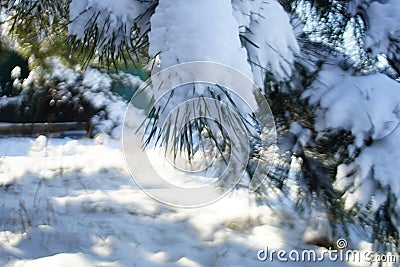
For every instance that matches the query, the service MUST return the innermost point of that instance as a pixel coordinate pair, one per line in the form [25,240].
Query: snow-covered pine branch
[257,38]
[115,32]
[268,37]
[382,27]
[368,108]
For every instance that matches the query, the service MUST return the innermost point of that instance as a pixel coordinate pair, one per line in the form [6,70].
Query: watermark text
[340,254]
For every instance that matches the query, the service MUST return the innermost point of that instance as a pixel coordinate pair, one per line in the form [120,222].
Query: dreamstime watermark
[203,117]
[340,254]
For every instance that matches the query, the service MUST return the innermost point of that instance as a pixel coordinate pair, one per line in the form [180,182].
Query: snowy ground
[68,202]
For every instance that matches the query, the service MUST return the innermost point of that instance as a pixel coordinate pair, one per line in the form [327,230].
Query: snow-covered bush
[65,94]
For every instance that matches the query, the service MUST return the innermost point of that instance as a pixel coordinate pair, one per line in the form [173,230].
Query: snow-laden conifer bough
[337,110]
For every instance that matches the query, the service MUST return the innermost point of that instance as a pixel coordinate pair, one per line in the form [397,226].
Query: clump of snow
[15,75]
[382,26]
[271,41]
[32,79]
[62,73]
[16,72]
[212,34]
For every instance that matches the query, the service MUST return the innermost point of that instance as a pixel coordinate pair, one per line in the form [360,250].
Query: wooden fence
[41,128]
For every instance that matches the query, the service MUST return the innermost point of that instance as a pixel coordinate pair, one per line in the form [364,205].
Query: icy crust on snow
[368,107]
[185,31]
[114,21]
[272,44]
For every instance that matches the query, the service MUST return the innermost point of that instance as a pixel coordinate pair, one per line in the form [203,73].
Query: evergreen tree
[328,68]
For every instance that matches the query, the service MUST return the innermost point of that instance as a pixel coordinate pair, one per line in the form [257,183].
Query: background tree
[328,68]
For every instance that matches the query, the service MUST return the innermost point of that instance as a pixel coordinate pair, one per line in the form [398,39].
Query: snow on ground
[68,202]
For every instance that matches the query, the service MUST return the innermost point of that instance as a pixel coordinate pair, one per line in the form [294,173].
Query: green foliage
[52,43]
